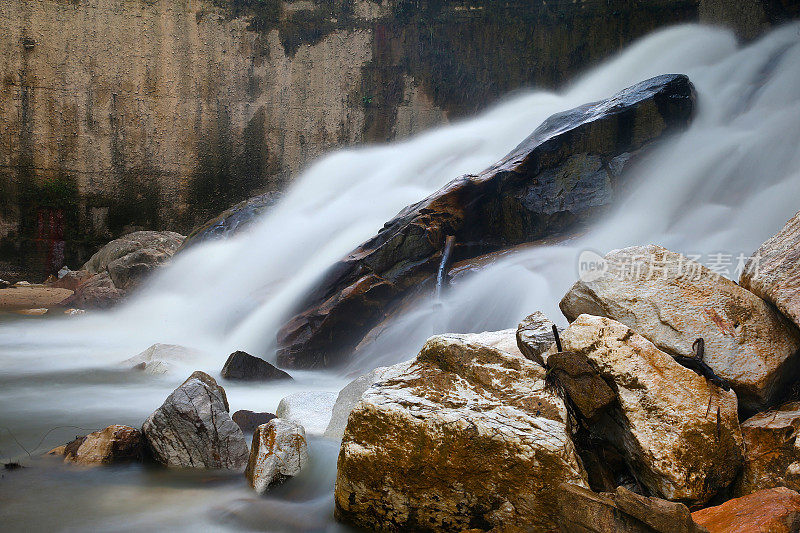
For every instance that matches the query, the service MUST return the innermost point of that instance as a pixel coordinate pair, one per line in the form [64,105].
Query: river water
[714,192]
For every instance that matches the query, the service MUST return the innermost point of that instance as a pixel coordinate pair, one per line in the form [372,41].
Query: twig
[43,437]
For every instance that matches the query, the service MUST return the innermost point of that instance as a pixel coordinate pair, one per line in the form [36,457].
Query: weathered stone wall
[122,114]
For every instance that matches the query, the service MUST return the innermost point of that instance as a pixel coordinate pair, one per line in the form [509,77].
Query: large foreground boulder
[561,175]
[132,257]
[773,272]
[673,301]
[465,436]
[767,511]
[114,444]
[279,451]
[772,445]
[193,428]
[678,432]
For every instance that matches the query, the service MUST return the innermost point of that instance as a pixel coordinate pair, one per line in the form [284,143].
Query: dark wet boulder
[566,172]
[232,220]
[243,366]
[193,429]
[249,421]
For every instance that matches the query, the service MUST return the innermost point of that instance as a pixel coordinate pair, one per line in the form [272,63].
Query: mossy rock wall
[118,115]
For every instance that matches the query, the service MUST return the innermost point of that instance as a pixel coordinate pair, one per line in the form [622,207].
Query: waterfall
[713,192]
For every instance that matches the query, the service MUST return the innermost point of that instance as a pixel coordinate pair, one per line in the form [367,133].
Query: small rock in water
[114,444]
[279,451]
[312,410]
[162,358]
[193,428]
[4,284]
[249,421]
[243,366]
[32,312]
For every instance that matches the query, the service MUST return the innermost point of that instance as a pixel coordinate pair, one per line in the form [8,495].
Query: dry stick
[558,339]
[43,436]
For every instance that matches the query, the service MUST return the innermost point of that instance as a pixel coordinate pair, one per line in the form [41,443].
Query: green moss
[231,170]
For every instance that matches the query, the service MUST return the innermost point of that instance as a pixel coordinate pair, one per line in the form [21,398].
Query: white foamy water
[723,186]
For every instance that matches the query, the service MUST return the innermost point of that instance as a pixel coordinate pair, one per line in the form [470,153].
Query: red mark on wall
[50,238]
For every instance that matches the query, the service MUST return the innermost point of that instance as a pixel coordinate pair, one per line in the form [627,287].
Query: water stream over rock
[716,191]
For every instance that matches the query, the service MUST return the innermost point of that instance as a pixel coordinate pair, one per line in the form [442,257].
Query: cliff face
[118,114]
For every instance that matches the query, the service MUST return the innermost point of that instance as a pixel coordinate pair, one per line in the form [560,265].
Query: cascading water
[722,187]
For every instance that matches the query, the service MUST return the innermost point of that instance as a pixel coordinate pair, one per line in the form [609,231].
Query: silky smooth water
[722,187]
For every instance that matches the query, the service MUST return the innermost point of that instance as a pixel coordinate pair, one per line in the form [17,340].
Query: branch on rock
[699,366]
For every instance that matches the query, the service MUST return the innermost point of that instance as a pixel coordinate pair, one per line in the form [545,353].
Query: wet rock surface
[563,173]
[772,444]
[233,220]
[312,410]
[132,257]
[245,367]
[69,279]
[672,301]
[348,398]
[773,272]
[162,358]
[466,435]
[535,336]
[97,292]
[114,444]
[249,421]
[679,433]
[193,429]
[279,451]
[19,298]
[773,510]
[584,511]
